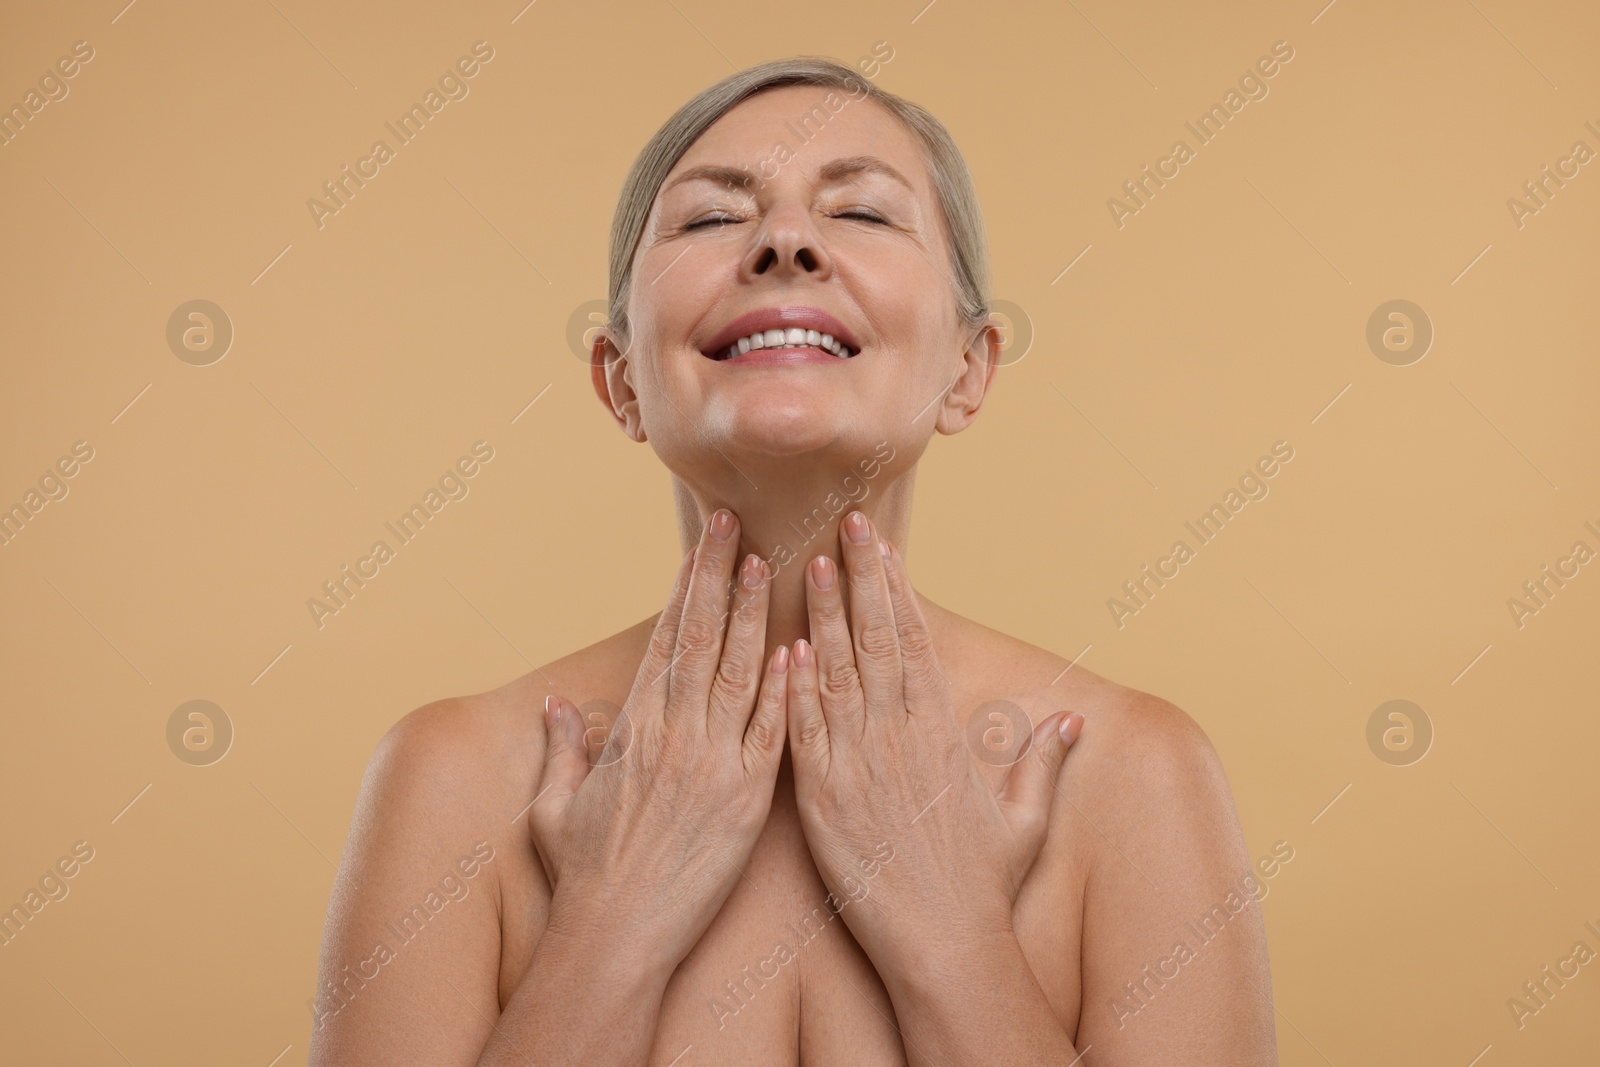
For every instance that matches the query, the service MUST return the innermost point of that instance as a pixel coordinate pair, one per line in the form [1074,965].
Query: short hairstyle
[952,182]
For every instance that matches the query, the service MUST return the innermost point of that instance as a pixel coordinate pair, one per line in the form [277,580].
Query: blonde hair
[952,182]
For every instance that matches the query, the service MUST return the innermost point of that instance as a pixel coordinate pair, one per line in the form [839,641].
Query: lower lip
[768,357]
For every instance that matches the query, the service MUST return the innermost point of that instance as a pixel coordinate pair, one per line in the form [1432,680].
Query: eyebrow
[833,171]
[849,166]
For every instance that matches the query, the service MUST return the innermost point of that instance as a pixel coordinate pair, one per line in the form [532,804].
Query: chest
[778,979]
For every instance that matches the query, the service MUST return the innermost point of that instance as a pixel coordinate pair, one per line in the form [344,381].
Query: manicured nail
[883,549]
[780,660]
[856,527]
[552,711]
[802,653]
[721,524]
[750,573]
[822,572]
[1071,726]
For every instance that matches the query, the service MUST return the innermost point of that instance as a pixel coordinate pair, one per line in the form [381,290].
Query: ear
[611,372]
[978,363]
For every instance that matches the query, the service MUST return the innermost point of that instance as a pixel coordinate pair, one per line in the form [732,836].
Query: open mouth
[792,337]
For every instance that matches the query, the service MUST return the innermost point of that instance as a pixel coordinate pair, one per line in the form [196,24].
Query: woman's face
[758,228]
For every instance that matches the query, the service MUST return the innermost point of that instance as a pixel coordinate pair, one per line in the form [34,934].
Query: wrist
[600,938]
[966,950]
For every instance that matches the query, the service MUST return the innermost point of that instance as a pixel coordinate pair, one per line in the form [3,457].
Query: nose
[788,245]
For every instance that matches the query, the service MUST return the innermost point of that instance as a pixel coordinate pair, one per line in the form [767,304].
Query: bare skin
[765,867]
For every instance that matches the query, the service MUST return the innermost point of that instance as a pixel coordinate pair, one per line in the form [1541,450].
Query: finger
[1029,785]
[733,691]
[922,679]
[566,757]
[652,674]
[874,638]
[566,765]
[704,620]
[763,736]
[839,686]
[808,727]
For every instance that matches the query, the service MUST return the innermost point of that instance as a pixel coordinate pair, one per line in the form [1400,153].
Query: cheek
[915,334]
[675,288]
[663,386]
[675,407]
[907,294]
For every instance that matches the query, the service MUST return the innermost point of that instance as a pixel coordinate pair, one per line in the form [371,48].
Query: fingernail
[1071,726]
[750,574]
[780,660]
[822,572]
[721,524]
[552,710]
[856,528]
[802,653]
[883,549]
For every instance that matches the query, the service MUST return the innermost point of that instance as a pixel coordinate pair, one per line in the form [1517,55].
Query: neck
[793,518]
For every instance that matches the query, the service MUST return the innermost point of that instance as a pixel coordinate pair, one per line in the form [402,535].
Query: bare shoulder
[464,759]
[1129,737]
[486,747]
[1142,775]
[1145,834]
[436,860]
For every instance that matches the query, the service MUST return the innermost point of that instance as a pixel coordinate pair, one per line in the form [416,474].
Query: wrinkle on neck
[789,515]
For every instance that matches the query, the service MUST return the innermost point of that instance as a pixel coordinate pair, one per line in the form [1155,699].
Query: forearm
[580,1003]
[975,1004]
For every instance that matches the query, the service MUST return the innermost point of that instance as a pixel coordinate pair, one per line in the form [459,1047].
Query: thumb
[1029,785]
[566,759]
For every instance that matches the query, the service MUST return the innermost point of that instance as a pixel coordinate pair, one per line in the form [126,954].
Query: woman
[766,836]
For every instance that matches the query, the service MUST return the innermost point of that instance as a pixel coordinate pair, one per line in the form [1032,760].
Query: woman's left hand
[906,833]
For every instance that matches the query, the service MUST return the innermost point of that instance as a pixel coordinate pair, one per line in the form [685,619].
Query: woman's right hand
[642,848]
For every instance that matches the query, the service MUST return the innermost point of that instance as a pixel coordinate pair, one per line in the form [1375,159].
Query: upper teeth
[789,338]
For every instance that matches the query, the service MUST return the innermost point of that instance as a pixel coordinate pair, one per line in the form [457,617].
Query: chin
[777,425]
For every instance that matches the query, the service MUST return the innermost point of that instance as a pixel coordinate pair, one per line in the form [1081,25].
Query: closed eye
[718,220]
[723,220]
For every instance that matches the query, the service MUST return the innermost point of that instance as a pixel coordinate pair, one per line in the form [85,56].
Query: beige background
[1230,313]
